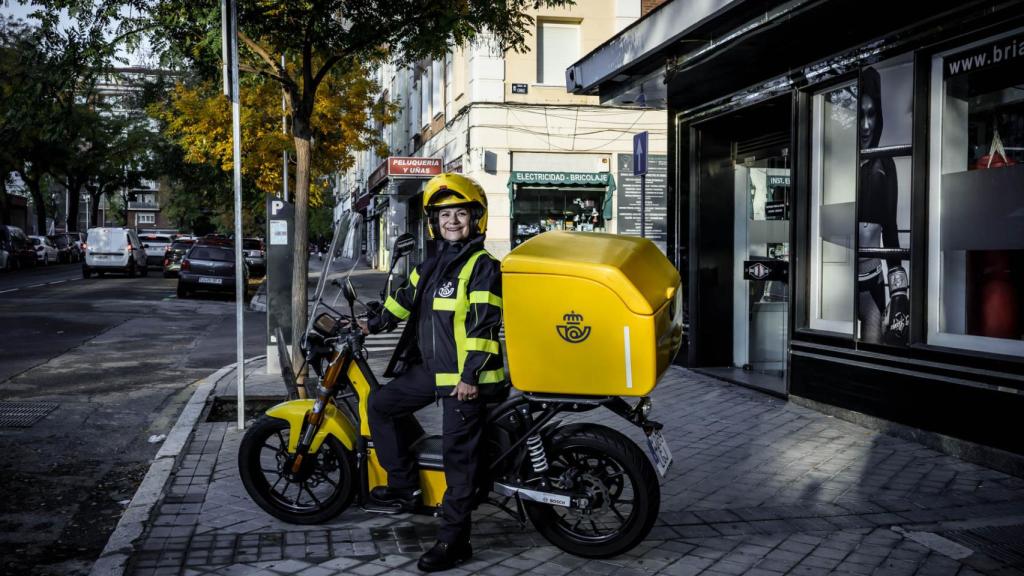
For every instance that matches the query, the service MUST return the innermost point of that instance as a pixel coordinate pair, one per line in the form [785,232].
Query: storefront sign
[561,178]
[402,167]
[629,197]
[1003,52]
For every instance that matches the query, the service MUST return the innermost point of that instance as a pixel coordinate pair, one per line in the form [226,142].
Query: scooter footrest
[429,453]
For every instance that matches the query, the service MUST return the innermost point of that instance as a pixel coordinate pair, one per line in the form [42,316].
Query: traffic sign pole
[640,147]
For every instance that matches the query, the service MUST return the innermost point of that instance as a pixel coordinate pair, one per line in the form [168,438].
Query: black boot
[445,556]
[393,500]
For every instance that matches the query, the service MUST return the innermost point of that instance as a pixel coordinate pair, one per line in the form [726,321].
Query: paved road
[116,357]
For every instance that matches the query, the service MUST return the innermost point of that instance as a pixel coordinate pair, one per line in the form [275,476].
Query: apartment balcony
[143,205]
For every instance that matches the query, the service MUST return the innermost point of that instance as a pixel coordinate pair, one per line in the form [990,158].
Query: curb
[114,558]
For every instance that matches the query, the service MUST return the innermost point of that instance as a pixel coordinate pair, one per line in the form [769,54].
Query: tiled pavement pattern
[759,486]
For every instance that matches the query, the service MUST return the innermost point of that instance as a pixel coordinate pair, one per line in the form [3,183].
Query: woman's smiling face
[454,223]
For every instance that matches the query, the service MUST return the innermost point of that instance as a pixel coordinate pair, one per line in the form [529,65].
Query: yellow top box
[590,314]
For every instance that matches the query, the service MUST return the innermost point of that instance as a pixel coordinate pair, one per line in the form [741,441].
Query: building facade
[547,159]
[845,202]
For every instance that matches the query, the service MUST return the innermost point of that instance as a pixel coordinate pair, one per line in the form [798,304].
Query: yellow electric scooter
[587,488]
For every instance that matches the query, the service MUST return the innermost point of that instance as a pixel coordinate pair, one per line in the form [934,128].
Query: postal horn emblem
[759,271]
[572,331]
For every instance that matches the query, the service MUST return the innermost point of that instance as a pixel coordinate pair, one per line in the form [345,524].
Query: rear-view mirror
[404,244]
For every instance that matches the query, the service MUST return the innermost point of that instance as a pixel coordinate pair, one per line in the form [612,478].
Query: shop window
[543,209]
[558,47]
[976,197]
[885,114]
[833,193]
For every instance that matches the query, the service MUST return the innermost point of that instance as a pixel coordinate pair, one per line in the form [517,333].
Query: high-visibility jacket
[452,304]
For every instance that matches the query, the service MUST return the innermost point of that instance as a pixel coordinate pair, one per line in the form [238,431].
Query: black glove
[897,313]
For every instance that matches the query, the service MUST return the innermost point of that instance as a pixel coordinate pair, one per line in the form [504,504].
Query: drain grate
[1004,543]
[24,414]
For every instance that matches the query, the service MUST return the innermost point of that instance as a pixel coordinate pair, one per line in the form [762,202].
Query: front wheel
[322,488]
[619,481]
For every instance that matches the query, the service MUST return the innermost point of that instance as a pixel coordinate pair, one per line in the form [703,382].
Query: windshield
[181,245]
[345,243]
[212,253]
[252,244]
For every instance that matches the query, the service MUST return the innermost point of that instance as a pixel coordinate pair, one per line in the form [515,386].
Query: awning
[561,179]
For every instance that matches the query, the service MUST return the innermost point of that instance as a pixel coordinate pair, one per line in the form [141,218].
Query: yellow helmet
[450,189]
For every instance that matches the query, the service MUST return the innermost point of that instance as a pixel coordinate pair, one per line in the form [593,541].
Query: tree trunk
[38,202]
[74,187]
[300,270]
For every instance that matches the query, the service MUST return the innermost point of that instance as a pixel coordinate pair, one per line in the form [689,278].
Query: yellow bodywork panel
[432,482]
[335,424]
[607,307]
[362,388]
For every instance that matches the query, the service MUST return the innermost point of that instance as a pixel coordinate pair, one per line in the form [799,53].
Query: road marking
[35,286]
[57,282]
[9,290]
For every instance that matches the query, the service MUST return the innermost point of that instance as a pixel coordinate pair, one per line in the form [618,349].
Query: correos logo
[572,331]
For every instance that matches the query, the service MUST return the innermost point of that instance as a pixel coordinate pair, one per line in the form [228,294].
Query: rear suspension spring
[538,458]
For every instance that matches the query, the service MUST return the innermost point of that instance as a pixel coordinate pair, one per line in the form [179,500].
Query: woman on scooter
[448,351]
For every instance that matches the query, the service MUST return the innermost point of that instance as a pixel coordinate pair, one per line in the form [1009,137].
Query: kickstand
[519,514]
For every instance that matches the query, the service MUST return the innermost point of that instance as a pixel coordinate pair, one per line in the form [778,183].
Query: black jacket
[452,304]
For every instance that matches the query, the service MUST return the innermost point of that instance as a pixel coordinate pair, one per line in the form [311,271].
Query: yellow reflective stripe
[484,297]
[399,311]
[462,308]
[491,376]
[485,377]
[482,345]
[446,379]
[414,278]
[447,304]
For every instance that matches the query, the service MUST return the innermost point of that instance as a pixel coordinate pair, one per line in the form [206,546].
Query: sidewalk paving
[759,486]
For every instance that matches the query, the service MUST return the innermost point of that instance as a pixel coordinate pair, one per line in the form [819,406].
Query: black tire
[603,461]
[328,483]
[131,269]
[86,272]
[145,271]
[182,291]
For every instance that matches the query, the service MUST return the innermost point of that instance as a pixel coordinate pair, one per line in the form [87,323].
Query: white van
[113,250]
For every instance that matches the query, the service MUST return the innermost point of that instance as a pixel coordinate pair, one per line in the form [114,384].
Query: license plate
[205,280]
[660,451]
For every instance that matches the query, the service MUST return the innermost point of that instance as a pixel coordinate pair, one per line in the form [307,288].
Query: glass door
[761,288]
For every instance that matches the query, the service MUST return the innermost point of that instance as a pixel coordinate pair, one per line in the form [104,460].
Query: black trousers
[393,429]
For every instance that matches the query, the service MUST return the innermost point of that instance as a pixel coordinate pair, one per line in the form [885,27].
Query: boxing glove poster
[884,115]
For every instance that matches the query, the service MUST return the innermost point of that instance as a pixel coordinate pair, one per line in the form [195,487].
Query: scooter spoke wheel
[322,487]
[619,483]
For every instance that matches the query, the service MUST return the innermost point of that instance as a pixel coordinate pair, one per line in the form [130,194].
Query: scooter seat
[428,452]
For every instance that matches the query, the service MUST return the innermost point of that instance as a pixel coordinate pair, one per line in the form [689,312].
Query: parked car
[66,248]
[46,250]
[19,249]
[174,255]
[114,250]
[208,266]
[255,256]
[78,241]
[156,245]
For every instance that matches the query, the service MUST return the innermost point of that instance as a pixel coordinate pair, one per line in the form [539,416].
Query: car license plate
[660,451]
[205,280]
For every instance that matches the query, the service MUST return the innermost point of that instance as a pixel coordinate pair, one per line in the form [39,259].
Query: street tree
[318,39]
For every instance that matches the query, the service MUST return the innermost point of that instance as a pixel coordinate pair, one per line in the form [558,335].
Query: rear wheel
[86,272]
[322,488]
[182,291]
[131,268]
[145,271]
[620,484]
